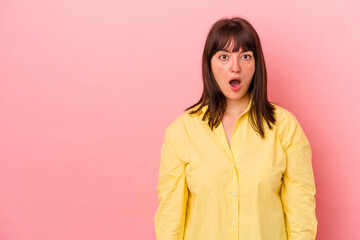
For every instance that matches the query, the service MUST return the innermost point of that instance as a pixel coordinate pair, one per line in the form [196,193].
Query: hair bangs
[233,37]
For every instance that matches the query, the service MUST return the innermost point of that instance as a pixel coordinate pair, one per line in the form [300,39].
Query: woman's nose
[235,66]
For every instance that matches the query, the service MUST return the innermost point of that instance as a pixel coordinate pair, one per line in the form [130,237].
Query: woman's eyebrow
[230,52]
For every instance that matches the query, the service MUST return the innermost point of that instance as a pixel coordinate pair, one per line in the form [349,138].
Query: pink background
[87,89]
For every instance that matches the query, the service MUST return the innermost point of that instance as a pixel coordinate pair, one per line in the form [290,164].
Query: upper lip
[233,78]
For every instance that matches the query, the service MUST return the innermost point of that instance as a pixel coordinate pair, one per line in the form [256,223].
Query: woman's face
[227,66]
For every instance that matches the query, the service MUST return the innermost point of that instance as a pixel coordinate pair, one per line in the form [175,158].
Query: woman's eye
[223,57]
[247,56]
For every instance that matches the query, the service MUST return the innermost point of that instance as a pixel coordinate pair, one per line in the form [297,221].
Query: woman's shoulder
[283,115]
[288,126]
[177,123]
[185,120]
[181,119]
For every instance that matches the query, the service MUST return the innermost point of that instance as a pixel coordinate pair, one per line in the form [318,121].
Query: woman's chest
[228,124]
[213,161]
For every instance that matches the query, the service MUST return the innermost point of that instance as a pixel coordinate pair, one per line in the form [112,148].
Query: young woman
[233,165]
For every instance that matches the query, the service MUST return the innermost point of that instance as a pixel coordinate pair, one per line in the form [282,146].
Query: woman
[235,166]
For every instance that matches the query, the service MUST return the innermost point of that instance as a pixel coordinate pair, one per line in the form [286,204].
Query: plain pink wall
[87,89]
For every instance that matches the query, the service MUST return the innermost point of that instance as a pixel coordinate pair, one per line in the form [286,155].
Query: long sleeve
[172,192]
[298,187]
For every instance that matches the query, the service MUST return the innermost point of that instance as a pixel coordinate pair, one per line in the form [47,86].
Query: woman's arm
[298,187]
[172,193]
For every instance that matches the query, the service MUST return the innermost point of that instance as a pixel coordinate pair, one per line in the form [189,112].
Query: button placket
[233,197]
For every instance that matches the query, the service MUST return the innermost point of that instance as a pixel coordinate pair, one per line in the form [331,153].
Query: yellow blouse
[255,189]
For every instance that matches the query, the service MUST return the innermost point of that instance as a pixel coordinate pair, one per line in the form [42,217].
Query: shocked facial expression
[233,72]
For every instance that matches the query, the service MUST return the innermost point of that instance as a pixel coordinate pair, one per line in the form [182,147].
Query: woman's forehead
[233,46]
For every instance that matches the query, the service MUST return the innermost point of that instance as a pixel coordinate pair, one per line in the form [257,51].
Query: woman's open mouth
[235,84]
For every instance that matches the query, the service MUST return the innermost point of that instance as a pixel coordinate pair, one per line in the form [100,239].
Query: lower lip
[235,88]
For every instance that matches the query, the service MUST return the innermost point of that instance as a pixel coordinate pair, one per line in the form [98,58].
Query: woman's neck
[236,107]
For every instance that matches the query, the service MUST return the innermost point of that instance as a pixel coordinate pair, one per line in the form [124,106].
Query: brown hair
[242,34]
